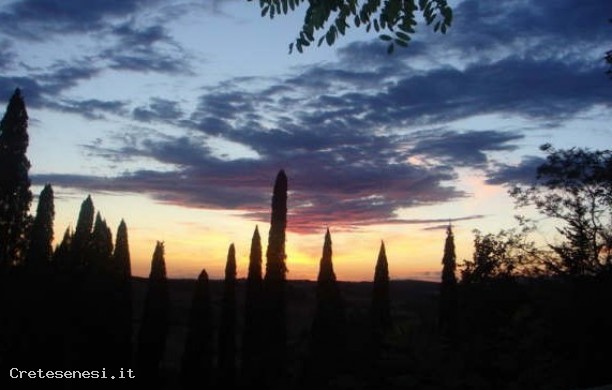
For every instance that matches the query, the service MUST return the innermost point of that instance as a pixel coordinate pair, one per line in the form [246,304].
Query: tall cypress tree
[15,194]
[227,330]
[99,310]
[275,332]
[251,338]
[100,247]
[328,328]
[41,236]
[380,321]
[122,296]
[82,235]
[448,290]
[197,360]
[154,325]
[63,251]
[381,306]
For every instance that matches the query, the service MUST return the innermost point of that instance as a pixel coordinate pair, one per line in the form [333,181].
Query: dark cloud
[145,49]
[36,19]
[45,89]
[464,149]
[31,90]
[158,109]
[346,132]
[90,108]
[324,190]
[523,173]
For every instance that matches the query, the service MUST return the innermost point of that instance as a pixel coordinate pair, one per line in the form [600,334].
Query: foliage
[155,320]
[506,254]
[381,306]
[251,338]
[449,260]
[121,295]
[574,186]
[397,18]
[275,253]
[275,327]
[197,360]
[227,329]
[15,194]
[327,338]
[82,234]
[448,289]
[41,236]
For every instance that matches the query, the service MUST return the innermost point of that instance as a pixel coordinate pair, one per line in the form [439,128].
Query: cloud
[147,48]
[464,149]
[523,173]
[158,109]
[323,191]
[348,132]
[37,19]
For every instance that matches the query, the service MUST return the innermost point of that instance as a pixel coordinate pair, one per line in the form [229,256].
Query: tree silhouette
[121,294]
[15,194]
[227,330]
[380,320]
[395,16]
[82,235]
[41,236]
[327,340]
[252,335]
[275,328]
[154,325]
[197,360]
[61,255]
[100,247]
[574,186]
[448,289]
[381,309]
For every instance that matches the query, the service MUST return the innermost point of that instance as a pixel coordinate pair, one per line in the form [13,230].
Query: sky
[176,116]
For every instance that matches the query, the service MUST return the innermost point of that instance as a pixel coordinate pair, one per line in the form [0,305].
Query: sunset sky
[176,115]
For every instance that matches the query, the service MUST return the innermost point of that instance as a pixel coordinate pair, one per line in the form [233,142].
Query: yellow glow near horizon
[199,238]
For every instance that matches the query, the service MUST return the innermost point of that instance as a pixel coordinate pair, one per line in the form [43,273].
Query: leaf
[385,37]
[390,48]
[402,36]
[400,42]
[265,10]
[330,37]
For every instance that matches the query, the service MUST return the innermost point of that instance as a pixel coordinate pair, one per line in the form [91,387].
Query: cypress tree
[197,360]
[99,313]
[275,332]
[100,247]
[227,330]
[154,324]
[62,252]
[15,194]
[41,236]
[82,235]
[381,306]
[380,321]
[122,295]
[251,338]
[122,266]
[328,328]
[448,290]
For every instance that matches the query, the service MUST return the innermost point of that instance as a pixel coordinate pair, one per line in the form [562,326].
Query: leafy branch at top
[394,20]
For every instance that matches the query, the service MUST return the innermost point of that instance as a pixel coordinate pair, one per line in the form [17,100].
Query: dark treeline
[518,318]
